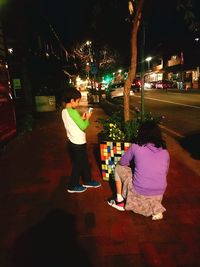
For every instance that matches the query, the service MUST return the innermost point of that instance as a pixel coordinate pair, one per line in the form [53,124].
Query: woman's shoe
[117,205]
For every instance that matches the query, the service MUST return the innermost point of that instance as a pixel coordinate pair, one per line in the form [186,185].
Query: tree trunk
[132,71]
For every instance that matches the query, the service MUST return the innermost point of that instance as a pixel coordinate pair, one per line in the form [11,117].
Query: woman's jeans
[80,164]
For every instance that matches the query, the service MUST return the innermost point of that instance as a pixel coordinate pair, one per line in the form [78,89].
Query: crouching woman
[140,188]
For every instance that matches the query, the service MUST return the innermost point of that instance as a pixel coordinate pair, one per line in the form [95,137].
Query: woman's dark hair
[149,132]
[71,93]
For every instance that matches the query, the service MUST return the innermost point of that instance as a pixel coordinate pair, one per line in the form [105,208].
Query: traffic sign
[94,68]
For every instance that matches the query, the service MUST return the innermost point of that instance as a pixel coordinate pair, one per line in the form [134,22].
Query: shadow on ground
[52,242]
[192,145]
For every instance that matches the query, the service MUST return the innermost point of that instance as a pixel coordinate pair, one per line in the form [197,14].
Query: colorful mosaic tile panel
[111,153]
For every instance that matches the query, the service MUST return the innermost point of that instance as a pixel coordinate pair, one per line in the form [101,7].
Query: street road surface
[181,110]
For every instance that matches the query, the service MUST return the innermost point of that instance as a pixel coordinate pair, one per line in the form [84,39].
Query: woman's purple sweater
[151,168]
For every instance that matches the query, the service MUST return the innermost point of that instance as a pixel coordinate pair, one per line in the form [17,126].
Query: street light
[148,59]
[10,50]
[88,42]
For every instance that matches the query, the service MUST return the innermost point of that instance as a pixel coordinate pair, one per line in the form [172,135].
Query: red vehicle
[7,110]
[136,85]
[164,84]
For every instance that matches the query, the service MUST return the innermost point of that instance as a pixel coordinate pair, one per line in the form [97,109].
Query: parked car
[164,84]
[150,85]
[136,85]
[116,90]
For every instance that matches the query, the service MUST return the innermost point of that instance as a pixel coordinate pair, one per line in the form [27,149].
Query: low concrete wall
[45,103]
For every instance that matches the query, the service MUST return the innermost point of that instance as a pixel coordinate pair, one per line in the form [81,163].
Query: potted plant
[116,137]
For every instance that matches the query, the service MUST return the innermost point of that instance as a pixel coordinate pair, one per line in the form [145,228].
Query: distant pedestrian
[75,126]
[140,188]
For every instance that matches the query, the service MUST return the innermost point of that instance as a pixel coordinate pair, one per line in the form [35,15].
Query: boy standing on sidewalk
[75,126]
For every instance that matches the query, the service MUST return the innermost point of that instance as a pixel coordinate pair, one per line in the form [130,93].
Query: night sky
[107,22]
[79,20]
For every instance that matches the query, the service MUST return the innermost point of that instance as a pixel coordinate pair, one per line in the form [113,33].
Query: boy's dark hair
[149,132]
[71,93]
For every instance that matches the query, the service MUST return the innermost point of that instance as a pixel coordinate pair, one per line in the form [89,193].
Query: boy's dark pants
[80,164]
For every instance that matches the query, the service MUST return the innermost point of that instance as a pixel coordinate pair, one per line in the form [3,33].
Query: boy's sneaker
[117,205]
[94,184]
[158,216]
[77,189]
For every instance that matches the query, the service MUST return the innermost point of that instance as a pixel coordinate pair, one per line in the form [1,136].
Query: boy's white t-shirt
[74,126]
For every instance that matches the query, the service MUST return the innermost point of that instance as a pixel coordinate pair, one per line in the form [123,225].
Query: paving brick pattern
[43,225]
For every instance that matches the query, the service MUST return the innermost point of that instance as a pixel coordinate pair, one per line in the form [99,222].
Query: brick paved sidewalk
[43,225]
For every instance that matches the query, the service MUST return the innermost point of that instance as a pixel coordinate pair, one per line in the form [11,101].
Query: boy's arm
[76,117]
